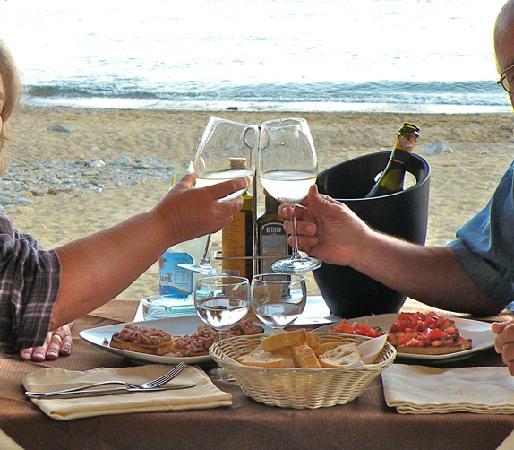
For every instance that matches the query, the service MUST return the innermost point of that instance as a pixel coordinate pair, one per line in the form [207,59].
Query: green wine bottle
[391,179]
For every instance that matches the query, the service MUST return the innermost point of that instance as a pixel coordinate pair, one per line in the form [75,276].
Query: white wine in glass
[288,167]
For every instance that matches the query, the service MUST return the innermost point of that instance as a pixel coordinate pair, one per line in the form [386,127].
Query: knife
[99,392]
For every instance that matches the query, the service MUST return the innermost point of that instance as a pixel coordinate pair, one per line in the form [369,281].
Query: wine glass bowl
[226,151]
[221,301]
[288,167]
[278,298]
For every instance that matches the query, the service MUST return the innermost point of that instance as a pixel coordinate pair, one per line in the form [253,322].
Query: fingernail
[65,351]
[38,357]
[51,355]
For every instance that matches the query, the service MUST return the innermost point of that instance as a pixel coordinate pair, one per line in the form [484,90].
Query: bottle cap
[409,130]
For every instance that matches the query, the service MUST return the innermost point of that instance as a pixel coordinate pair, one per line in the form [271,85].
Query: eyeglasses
[504,81]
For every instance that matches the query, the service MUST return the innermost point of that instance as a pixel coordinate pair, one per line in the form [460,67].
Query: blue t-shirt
[485,244]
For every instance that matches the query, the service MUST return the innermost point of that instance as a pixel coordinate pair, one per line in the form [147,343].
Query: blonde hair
[11,87]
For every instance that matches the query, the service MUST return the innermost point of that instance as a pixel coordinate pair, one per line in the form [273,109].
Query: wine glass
[221,301]
[227,150]
[288,167]
[278,298]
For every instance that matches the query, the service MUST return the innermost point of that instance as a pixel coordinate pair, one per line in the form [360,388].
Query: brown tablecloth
[365,423]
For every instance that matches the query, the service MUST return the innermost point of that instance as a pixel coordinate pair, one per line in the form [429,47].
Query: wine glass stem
[206,259]
[296,254]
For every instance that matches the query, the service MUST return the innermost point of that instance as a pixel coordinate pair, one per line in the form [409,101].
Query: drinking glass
[226,150]
[288,167]
[278,298]
[221,301]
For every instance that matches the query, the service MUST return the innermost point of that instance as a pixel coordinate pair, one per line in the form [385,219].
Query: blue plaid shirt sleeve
[485,244]
[29,282]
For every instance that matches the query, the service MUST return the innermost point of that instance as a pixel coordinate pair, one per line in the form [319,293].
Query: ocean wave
[395,94]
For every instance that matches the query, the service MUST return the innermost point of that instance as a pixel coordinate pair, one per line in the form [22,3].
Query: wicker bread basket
[299,388]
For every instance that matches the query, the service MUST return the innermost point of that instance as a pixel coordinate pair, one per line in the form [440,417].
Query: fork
[163,379]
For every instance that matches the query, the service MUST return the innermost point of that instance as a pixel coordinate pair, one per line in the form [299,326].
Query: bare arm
[97,268]
[430,274]
[332,232]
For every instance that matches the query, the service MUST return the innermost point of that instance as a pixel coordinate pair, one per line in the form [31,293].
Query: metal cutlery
[100,392]
[152,384]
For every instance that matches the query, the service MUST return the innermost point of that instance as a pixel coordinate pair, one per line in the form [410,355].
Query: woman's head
[11,88]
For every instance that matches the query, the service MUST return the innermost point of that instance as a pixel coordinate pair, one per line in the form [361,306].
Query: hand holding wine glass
[288,167]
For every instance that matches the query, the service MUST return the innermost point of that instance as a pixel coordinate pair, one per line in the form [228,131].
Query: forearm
[429,274]
[97,268]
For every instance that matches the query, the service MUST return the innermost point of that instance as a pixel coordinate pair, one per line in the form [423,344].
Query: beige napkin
[6,443]
[424,390]
[203,396]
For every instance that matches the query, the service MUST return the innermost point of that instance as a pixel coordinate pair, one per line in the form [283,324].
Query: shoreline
[264,107]
[478,149]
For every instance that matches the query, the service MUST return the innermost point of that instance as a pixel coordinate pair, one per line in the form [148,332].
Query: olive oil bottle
[272,236]
[392,178]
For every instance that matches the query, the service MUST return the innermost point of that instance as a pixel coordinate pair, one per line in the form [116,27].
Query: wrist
[363,250]
[165,225]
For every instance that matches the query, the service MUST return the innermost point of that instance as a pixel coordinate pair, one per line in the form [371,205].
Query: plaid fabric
[29,281]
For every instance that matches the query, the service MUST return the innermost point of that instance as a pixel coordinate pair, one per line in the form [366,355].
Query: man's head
[9,95]
[504,43]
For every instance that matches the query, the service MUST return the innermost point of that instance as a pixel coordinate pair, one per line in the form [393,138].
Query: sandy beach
[481,146]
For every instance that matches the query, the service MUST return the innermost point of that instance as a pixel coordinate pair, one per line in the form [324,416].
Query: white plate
[177,326]
[480,334]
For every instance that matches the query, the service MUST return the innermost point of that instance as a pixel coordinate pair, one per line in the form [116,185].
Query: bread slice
[158,349]
[305,357]
[322,348]
[464,344]
[313,340]
[280,340]
[142,339]
[342,356]
[261,358]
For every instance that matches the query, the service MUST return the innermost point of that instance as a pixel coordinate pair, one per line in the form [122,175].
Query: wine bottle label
[273,241]
[233,244]
[174,280]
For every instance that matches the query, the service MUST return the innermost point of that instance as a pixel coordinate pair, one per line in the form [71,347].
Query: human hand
[326,229]
[504,342]
[58,343]
[190,213]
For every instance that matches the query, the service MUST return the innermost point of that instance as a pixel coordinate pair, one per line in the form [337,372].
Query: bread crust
[285,339]
[465,344]
[267,360]
[159,350]
[304,357]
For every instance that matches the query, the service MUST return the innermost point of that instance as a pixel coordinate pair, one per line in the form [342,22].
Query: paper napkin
[204,395]
[425,390]
[6,443]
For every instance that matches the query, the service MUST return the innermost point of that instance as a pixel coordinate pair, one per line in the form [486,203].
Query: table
[365,423]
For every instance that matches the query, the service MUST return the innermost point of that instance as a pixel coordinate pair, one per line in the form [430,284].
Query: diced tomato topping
[365,330]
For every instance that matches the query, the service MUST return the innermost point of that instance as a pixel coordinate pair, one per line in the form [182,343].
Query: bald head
[504,35]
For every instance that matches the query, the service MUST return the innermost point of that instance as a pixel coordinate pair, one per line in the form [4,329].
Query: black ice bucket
[349,293]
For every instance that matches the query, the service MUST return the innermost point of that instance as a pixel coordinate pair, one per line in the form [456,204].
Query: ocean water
[295,55]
